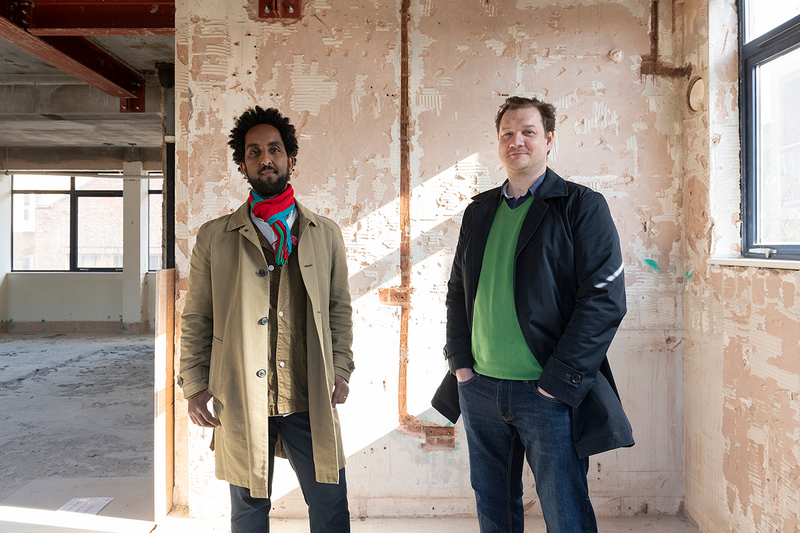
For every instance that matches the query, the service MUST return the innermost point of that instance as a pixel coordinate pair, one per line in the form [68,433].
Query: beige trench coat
[224,344]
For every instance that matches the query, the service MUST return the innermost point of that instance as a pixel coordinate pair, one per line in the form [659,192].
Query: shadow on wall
[437,206]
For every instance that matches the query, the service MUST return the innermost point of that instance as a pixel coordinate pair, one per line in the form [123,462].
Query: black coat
[569,294]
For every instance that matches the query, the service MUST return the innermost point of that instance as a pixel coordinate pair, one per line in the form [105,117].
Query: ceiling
[72,73]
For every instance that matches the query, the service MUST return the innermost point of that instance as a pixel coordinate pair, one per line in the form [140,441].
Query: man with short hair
[535,296]
[266,334]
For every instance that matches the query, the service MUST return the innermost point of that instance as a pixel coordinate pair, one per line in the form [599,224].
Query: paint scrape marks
[761,413]
[208,61]
[446,195]
[602,119]
[429,99]
[312,90]
[357,94]
[524,47]
[609,186]
[636,8]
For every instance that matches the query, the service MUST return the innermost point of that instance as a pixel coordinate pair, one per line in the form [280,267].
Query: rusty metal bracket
[652,65]
[135,104]
[436,437]
[279,9]
[395,295]
[19,13]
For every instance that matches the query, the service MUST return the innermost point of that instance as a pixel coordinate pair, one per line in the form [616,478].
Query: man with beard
[266,335]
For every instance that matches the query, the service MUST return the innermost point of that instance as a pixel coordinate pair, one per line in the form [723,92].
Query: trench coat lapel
[240,220]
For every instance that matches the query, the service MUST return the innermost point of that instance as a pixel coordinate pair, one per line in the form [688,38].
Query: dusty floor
[75,406]
[637,524]
[77,421]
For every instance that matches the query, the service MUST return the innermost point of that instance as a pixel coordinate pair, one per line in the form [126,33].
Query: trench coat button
[576,378]
[280,313]
[262,272]
[351,367]
[261,373]
[282,364]
[263,321]
[180,381]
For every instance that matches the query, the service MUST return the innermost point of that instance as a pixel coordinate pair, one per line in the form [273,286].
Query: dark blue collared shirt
[512,202]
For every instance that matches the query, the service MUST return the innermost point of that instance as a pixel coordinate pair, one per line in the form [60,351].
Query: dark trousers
[327,503]
[506,422]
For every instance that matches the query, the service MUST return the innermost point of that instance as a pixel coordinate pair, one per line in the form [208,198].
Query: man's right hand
[464,374]
[199,413]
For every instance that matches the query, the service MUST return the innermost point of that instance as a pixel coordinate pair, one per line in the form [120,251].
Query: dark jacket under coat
[569,294]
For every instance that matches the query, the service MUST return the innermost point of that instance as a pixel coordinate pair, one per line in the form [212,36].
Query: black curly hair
[255,116]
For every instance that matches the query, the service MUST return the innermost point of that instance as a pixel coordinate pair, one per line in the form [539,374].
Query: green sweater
[499,349]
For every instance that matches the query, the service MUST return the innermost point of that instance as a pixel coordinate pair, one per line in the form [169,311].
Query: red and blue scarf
[275,211]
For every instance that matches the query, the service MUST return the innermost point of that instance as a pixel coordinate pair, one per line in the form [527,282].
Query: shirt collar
[267,231]
[531,190]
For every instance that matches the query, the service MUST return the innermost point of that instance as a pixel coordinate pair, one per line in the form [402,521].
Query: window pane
[41,231]
[83,183]
[156,201]
[156,184]
[100,232]
[40,183]
[764,15]
[778,138]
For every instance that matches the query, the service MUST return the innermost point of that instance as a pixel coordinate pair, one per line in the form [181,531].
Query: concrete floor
[646,524]
[77,423]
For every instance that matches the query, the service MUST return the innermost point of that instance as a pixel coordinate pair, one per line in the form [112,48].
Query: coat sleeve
[340,309]
[599,302]
[196,320]
[458,347]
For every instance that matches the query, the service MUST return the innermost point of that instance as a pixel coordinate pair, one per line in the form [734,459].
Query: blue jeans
[327,503]
[506,421]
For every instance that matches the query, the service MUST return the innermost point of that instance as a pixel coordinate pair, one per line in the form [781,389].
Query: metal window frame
[150,192]
[772,44]
[73,195]
[73,235]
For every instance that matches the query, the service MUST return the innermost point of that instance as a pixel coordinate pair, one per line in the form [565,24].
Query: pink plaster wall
[742,324]
[336,74]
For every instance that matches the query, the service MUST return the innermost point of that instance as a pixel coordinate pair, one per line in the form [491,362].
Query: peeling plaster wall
[337,74]
[742,324]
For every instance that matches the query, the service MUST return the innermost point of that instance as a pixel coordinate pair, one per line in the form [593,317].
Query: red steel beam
[77,57]
[96,17]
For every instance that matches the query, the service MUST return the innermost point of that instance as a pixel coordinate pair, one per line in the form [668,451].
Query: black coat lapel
[552,186]
[482,223]
[531,223]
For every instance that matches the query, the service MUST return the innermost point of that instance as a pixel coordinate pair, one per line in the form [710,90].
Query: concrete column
[5,246]
[135,254]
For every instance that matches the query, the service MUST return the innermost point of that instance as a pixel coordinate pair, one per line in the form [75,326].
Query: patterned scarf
[274,212]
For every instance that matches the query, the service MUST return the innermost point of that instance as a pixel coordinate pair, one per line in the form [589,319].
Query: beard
[268,187]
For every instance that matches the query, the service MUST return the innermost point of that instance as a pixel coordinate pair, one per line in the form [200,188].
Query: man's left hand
[340,390]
